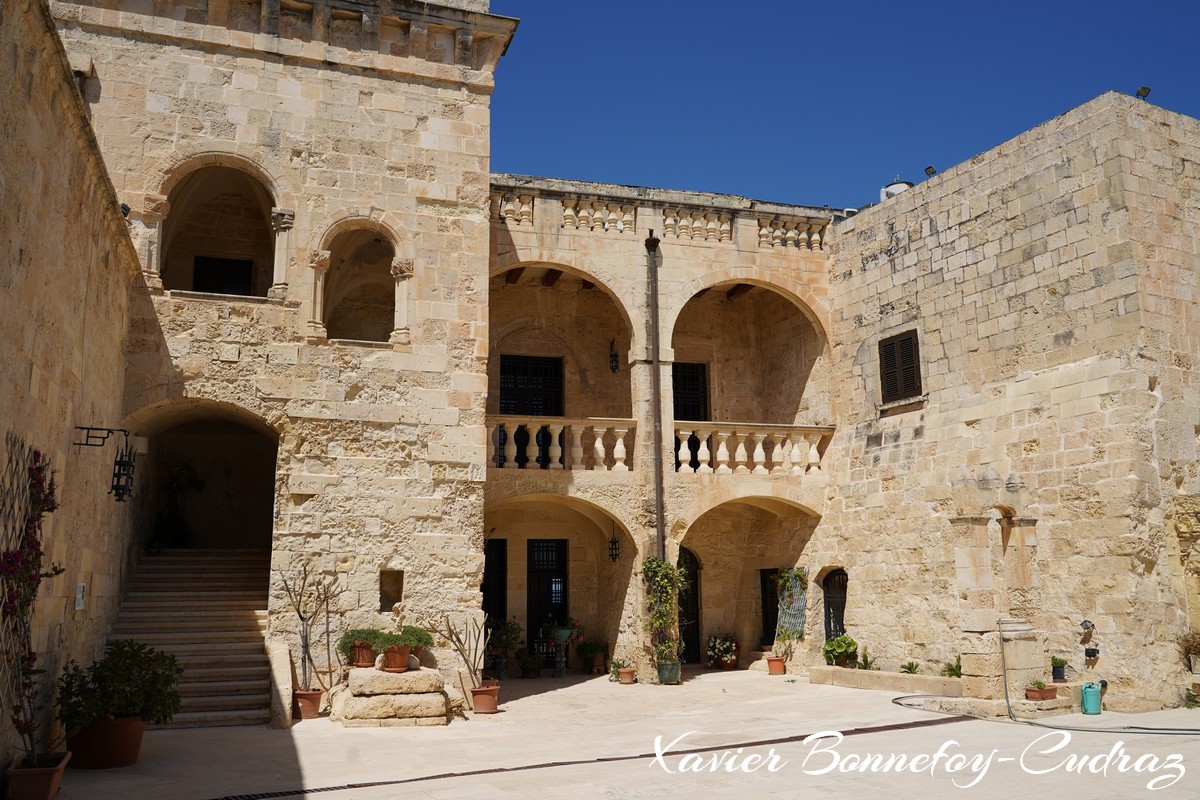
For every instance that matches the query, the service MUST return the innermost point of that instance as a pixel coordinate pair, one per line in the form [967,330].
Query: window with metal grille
[531,386]
[899,367]
[690,384]
[834,587]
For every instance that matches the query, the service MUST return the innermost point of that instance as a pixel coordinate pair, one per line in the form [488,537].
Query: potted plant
[840,650]
[505,641]
[664,582]
[592,654]
[357,646]
[308,597]
[34,773]
[468,637]
[722,650]
[1038,690]
[618,671]
[105,707]
[781,650]
[395,651]
[528,661]
[1058,669]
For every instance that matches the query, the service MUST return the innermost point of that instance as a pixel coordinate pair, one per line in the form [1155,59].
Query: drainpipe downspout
[656,394]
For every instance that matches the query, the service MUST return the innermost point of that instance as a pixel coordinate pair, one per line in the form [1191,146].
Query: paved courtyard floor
[740,734]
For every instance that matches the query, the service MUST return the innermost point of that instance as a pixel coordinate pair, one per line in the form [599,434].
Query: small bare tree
[310,596]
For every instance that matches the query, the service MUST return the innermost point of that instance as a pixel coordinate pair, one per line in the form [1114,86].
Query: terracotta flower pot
[485,699]
[776,665]
[364,654]
[1048,693]
[598,664]
[306,703]
[626,674]
[395,658]
[107,743]
[35,783]
[728,662]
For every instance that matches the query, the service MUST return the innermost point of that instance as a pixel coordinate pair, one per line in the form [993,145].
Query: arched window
[834,587]
[360,289]
[218,236]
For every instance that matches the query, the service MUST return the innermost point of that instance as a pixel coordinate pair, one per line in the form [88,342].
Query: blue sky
[813,103]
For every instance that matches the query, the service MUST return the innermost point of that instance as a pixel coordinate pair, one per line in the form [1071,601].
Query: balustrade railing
[739,448]
[558,443]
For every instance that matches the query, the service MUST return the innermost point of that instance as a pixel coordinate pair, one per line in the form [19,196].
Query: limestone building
[337,338]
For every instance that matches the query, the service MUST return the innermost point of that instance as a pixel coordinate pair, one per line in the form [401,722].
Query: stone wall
[66,266]
[1022,483]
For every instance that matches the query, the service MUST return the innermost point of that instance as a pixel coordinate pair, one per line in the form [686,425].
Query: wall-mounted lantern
[614,362]
[123,464]
[614,546]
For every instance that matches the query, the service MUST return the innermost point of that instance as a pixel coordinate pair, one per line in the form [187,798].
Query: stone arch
[385,223]
[774,496]
[185,160]
[153,417]
[602,279]
[801,295]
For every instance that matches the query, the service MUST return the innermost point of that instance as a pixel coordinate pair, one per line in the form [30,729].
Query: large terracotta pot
[626,674]
[395,658]
[598,664]
[35,783]
[776,665]
[485,699]
[729,662]
[363,654]
[107,743]
[306,703]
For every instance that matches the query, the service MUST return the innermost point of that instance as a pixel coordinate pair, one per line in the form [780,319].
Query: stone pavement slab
[593,738]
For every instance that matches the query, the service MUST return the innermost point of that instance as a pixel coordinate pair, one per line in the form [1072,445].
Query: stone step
[151,624]
[226,702]
[224,688]
[218,639]
[214,719]
[208,650]
[226,673]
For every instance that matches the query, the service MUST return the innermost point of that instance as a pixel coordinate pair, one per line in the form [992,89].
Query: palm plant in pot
[35,773]
[664,582]
[105,707]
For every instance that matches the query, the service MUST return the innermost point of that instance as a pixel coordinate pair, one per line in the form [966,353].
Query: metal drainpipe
[656,394]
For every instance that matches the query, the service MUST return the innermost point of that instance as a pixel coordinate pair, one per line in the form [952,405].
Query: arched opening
[557,561]
[560,349]
[209,479]
[218,237]
[360,294]
[742,545]
[833,589]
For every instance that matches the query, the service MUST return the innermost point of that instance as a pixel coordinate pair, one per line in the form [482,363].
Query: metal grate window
[690,385]
[899,367]
[834,587]
[531,386]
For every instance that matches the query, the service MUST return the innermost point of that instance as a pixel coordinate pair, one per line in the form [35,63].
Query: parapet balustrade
[599,215]
[558,443]
[799,233]
[685,223]
[512,207]
[727,448]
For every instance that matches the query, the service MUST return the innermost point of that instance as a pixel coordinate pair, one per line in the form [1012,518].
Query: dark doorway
[546,599]
[834,587]
[769,589]
[222,275]
[531,386]
[495,580]
[690,384]
[689,609]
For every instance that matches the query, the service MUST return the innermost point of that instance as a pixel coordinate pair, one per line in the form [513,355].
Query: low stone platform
[372,698]
[888,681]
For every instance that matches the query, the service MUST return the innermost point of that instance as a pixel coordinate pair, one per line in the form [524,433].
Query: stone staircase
[208,607]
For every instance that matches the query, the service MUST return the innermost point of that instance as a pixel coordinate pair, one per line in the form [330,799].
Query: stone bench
[374,699]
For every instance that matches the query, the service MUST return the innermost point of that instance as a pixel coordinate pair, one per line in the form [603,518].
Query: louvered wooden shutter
[899,367]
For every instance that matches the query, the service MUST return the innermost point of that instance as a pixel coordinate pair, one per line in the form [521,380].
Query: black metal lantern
[122,478]
[614,546]
[614,362]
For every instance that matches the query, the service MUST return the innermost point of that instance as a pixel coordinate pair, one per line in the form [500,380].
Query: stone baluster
[155,208]
[526,210]
[508,211]
[402,270]
[598,452]
[319,261]
[555,448]
[723,453]
[726,233]
[584,217]
[703,454]
[598,216]
[570,216]
[494,451]
[814,455]
[510,445]
[781,455]
[685,225]
[816,237]
[576,433]
[799,455]
[790,236]
[628,224]
[494,205]
[760,453]
[764,233]
[619,450]
[614,216]
[776,234]
[710,227]
[671,222]
[739,457]
[681,451]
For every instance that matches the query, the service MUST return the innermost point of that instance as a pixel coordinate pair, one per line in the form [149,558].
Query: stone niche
[376,699]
